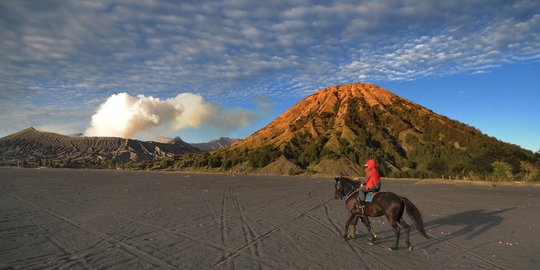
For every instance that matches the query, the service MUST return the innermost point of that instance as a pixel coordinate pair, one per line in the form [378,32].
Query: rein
[353,190]
[351,193]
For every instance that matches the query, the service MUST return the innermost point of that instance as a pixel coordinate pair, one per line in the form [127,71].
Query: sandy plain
[97,219]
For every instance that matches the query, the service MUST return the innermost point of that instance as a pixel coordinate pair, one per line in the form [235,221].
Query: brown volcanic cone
[325,111]
[336,129]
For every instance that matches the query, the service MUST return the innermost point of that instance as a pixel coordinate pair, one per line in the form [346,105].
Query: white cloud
[122,115]
[448,52]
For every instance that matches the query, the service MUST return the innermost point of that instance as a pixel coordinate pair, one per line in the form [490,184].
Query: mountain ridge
[211,145]
[84,151]
[217,144]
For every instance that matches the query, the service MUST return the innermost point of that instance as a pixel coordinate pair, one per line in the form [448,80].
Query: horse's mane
[346,180]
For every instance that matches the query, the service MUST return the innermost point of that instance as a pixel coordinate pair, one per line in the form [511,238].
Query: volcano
[336,129]
[51,149]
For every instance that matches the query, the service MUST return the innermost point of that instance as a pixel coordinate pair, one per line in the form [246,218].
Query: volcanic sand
[58,218]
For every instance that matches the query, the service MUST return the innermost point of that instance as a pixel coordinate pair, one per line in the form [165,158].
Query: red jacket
[373,179]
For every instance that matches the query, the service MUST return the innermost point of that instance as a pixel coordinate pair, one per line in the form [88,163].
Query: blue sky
[475,61]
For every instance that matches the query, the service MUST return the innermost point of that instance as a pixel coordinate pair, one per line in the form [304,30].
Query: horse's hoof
[371,243]
[391,248]
[411,248]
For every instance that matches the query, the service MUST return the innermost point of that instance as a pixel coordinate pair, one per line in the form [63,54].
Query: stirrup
[362,208]
[361,204]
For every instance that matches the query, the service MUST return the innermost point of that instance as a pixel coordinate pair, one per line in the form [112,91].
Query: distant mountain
[36,146]
[163,139]
[337,129]
[217,144]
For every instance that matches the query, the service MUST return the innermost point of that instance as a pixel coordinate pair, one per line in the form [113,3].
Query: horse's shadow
[473,223]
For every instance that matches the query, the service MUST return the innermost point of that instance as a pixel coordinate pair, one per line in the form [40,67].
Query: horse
[383,203]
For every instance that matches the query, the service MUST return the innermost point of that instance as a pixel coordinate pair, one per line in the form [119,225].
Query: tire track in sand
[207,243]
[335,230]
[248,232]
[481,258]
[72,256]
[267,234]
[224,228]
[128,248]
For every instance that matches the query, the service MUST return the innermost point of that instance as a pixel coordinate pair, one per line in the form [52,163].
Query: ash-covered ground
[56,218]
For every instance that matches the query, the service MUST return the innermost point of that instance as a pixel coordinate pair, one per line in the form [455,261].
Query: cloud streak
[67,53]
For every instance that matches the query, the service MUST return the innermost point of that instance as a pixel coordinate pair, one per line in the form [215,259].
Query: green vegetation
[501,171]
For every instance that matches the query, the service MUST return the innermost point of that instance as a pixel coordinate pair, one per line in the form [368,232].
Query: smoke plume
[122,115]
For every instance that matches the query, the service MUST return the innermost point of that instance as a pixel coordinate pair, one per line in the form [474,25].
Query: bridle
[352,189]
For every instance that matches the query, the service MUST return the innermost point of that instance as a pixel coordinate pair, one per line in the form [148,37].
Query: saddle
[371,195]
[369,198]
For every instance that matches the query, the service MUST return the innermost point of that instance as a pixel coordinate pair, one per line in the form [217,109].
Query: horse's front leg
[352,227]
[366,222]
[349,219]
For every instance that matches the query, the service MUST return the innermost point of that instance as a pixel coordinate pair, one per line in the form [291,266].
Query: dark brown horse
[383,203]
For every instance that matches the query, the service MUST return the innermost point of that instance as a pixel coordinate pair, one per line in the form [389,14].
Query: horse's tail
[415,215]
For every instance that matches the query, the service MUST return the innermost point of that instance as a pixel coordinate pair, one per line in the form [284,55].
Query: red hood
[371,164]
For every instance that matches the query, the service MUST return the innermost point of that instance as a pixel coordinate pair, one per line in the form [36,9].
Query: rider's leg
[361,198]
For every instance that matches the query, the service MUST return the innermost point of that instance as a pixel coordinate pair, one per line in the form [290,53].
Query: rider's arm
[367,177]
[377,186]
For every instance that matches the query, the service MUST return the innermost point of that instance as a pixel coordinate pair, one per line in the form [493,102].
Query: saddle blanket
[370,196]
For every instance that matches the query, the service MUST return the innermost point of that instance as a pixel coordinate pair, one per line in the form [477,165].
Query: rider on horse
[372,183]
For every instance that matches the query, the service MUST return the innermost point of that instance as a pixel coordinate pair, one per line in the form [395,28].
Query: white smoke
[122,115]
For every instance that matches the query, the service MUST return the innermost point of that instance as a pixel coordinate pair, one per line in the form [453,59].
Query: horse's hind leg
[397,231]
[408,232]
[366,222]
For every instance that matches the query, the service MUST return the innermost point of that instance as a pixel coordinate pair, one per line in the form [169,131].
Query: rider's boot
[361,204]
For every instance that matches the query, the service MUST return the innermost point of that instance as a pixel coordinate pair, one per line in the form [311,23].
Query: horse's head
[339,188]
[343,186]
